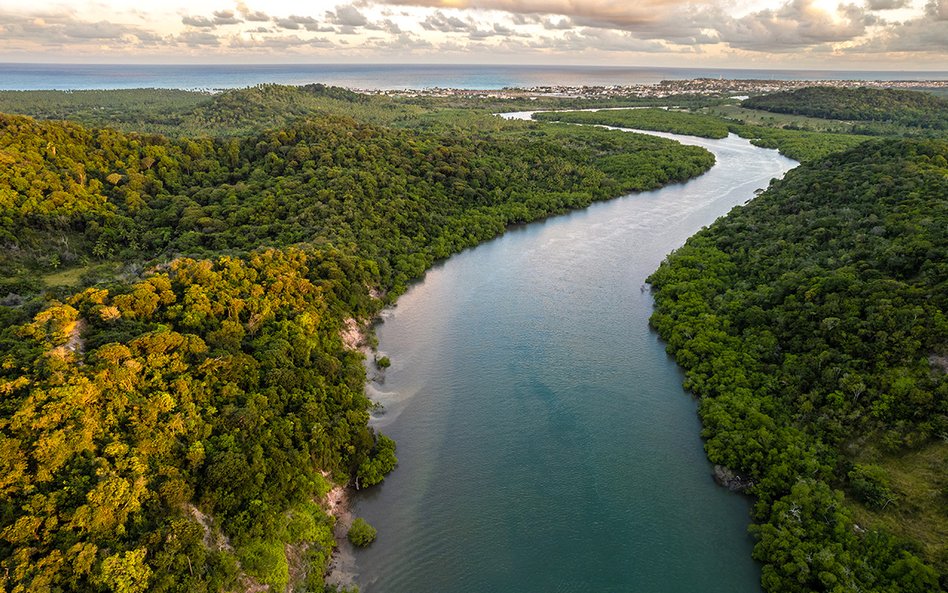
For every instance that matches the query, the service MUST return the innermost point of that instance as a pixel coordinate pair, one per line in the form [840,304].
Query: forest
[811,324]
[800,145]
[907,108]
[177,269]
[177,398]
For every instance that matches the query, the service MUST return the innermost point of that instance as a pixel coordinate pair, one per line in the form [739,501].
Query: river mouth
[544,438]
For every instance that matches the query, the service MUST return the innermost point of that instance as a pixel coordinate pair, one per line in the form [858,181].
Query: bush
[361,533]
[267,562]
[870,484]
[383,363]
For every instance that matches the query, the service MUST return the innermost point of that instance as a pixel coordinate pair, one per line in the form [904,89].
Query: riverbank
[341,571]
[545,441]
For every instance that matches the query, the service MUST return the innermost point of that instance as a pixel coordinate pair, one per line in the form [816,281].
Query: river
[545,441]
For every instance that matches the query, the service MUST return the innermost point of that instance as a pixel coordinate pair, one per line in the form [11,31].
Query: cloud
[445,23]
[279,43]
[726,30]
[198,39]
[923,34]
[937,9]
[887,4]
[390,26]
[609,41]
[598,13]
[403,42]
[347,16]
[225,17]
[198,21]
[561,24]
[97,30]
[295,22]
[254,16]
[796,24]
[65,29]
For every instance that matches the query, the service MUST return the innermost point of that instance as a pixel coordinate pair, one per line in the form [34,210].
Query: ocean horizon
[28,76]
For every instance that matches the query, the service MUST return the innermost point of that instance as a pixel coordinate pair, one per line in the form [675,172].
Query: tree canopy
[807,322]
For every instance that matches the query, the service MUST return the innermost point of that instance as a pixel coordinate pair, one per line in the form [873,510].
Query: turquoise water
[545,442]
[387,76]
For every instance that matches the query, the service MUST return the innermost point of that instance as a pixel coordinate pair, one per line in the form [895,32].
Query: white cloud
[729,32]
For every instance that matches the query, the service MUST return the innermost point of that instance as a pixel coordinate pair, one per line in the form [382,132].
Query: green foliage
[797,144]
[401,198]
[266,561]
[870,484]
[805,321]
[224,382]
[193,113]
[140,110]
[380,461]
[384,362]
[662,120]
[361,534]
[907,108]
[202,388]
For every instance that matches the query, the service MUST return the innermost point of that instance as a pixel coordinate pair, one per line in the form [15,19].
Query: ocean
[388,76]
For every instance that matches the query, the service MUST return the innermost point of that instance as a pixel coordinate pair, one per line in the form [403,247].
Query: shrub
[361,533]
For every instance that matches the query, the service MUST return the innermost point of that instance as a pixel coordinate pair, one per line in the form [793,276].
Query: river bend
[545,441]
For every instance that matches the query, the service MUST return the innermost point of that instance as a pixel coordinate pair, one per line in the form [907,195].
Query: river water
[545,441]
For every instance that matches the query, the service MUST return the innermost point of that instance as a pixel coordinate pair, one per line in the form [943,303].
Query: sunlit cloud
[788,33]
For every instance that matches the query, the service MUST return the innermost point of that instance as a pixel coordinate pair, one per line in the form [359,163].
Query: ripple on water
[544,439]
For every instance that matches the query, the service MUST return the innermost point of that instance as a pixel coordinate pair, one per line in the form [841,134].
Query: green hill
[810,323]
[907,108]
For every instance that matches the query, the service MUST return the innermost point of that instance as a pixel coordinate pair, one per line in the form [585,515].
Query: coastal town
[714,87]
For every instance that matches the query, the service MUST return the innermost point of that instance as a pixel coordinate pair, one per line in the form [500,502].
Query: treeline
[234,112]
[810,324]
[171,432]
[140,110]
[799,145]
[178,113]
[906,108]
[405,198]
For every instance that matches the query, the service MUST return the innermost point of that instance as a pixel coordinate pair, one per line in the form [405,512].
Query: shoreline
[340,570]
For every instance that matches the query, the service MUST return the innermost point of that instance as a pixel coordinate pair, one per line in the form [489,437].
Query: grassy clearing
[67,277]
[920,480]
[778,120]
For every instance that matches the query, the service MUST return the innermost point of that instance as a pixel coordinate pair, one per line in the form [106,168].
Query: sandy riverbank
[341,569]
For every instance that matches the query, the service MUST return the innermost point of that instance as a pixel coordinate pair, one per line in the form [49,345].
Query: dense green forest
[799,145]
[74,196]
[177,398]
[906,108]
[178,269]
[179,113]
[811,324]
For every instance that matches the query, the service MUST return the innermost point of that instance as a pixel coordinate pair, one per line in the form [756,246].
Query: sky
[796,34]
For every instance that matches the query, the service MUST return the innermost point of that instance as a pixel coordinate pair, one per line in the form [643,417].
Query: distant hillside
[907,108]
[191,113]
